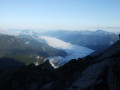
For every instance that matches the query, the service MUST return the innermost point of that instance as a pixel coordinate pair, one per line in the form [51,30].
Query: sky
[60,14]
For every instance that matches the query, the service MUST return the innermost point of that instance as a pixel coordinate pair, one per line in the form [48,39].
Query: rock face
[101,72]
[46,66]
[29,77]
[113,50]
[116,75]
[102,75]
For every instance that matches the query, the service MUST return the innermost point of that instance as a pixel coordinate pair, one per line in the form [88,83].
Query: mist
[73,51]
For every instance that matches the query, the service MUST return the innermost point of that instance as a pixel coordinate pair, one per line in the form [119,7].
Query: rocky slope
[101,72]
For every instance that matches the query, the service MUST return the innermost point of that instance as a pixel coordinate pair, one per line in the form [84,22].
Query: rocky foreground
[101,72]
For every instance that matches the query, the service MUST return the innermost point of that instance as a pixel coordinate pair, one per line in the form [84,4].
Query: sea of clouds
[73,51]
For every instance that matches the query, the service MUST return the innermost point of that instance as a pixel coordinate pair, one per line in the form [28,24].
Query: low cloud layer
[56,43]
[73,51]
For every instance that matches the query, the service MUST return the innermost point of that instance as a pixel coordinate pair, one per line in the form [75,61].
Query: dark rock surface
[101,72]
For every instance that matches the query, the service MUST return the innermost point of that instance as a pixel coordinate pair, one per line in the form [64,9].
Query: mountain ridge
[87,73]
[90,39]
[26,50]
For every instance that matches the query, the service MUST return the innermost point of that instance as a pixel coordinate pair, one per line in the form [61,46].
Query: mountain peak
[46,66]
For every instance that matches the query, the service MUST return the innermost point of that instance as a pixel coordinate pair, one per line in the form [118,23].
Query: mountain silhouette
[101,72]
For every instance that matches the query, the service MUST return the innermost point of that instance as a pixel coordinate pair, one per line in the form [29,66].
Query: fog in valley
[73,51]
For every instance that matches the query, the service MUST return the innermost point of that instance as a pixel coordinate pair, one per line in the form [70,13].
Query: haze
[60,14]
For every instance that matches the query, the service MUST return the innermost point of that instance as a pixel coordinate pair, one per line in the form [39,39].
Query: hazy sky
[60,14]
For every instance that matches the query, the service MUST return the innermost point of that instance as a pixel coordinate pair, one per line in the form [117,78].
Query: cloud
[73,51]
[56,43]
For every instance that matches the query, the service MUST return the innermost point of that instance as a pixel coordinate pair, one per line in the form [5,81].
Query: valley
[59,44]
[99,72]
[19,49]
[49,63]
[73,51]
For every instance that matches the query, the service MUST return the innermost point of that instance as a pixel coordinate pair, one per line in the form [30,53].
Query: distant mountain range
[98,40]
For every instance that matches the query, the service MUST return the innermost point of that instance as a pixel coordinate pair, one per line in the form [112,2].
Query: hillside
[111,51]
[41,46]
[90,73]
[26,49]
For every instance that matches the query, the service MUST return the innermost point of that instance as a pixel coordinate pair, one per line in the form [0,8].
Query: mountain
[111,51]
[103,74]
[9,63]
[99,72]
[98,40]
[28,33]
[26,49]
[42,46]
[89,39]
